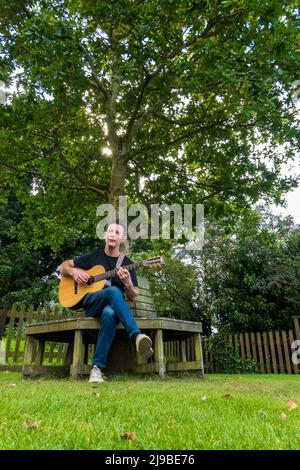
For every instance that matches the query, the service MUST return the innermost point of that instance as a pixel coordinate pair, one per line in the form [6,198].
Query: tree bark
[117,184]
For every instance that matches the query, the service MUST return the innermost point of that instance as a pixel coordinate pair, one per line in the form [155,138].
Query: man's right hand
[80,275]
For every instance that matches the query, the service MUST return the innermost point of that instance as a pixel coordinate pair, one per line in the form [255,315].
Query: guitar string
[112,272]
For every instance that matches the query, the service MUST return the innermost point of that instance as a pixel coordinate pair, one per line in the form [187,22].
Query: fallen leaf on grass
[97,394]
[203,398]
[130,436]
[32,424]
[283,416]
[263,414]
[10,385]
[292,404]
[227,395]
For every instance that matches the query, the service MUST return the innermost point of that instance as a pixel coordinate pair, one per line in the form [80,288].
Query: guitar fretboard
[113,272]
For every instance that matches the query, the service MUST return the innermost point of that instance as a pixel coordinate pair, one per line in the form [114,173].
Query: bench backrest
[144,303]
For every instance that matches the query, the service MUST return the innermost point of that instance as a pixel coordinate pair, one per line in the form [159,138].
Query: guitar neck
[113,272]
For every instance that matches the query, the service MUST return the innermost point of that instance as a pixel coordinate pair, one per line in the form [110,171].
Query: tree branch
[145,83]
[100,189]
[171,142]
[35,173]
[136,110]
[96,81]
[165,60]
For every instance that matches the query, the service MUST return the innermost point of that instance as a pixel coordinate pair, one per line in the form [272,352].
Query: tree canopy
[244,280]
[250,278]
[30,276]
[161,100]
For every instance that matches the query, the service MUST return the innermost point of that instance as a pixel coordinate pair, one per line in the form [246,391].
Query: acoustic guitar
[71,292]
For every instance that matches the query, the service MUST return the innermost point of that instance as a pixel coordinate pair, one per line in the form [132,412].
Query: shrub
[227,357]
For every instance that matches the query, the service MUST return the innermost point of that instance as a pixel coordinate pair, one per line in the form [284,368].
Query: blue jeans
[110,306]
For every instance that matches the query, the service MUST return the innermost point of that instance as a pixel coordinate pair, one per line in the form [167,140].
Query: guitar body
[70,292]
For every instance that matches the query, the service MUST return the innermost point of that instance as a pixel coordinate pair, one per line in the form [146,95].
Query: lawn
[219,412]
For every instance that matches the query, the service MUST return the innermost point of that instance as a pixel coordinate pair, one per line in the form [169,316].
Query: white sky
[292,197]
[293,205]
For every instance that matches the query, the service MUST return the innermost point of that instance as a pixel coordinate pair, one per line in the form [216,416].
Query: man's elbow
[65,266]
[62,266]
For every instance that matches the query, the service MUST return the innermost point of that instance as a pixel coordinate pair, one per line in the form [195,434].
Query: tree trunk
[118,176]
[117,184]
[119,162]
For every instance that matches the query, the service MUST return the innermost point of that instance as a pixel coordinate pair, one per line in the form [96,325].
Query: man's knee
[113,292]
[109,315]
[108,311]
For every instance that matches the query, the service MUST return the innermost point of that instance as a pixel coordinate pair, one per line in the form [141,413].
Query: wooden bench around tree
[177,343]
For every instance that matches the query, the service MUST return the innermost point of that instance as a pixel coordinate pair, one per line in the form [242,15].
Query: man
[109,303]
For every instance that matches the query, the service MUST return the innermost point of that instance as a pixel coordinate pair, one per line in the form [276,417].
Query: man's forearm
[131,292]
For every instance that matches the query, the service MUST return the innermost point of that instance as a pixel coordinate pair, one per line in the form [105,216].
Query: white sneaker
[143,345]
[96,376]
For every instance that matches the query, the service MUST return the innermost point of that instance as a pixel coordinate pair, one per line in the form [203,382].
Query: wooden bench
[177,343]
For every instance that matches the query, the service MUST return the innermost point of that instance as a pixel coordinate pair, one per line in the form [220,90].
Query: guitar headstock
[154,262]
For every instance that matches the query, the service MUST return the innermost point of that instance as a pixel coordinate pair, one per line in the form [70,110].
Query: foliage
[194,102]
[29,276]
[251,276]
[173,287]
[227,357]
[245,279]
[200,90]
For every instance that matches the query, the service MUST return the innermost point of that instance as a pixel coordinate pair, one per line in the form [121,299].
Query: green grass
[239,412]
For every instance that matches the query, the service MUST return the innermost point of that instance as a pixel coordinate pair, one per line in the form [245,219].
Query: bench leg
[183,350]
[159,353]
[86,353]
[198,353]
[28,356]
[40,353]
[69,354]
[76,367]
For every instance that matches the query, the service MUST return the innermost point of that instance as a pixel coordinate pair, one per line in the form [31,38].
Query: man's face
[114,235]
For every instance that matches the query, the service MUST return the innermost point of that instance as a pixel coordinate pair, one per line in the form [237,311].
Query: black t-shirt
[90,260]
